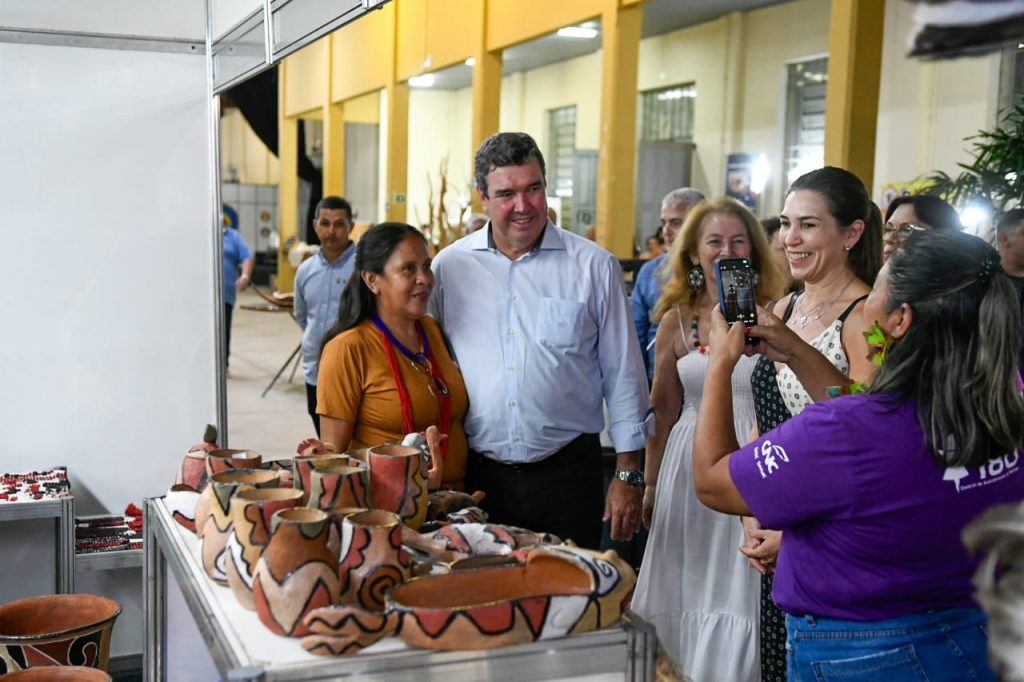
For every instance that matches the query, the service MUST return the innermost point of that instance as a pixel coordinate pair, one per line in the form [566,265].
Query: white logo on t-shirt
[995,470]
[768,457]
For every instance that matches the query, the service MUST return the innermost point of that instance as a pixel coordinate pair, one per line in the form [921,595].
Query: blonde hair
[678,264]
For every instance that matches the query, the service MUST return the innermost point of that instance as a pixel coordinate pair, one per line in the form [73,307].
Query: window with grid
[805,116]
[1011,78]
[666,115]
[561,150]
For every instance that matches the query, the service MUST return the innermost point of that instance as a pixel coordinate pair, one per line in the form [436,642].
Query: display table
[243,649]
[62,510]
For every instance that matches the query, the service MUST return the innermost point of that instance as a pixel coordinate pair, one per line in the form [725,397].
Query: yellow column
[334,149]
[854,72]
[486,95]
[398,137]
[616,162]
[398,151]
[288,186]
[334,133]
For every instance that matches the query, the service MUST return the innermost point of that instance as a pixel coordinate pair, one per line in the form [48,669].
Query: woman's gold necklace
[816,313]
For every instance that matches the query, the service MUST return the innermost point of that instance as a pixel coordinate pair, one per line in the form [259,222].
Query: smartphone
[736,284]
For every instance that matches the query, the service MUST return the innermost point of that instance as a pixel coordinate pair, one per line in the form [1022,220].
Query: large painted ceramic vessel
[556,591]
[56,630]
[297,572]
[398,482]
[303,467]
[217,525]
[372,558]
[338,485]
[251,512]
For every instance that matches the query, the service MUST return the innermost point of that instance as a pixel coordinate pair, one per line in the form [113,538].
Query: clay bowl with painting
[57,630]
[68,673]
[554,592]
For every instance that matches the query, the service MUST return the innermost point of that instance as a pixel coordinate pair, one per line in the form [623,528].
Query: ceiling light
[471,62]
[424,81]
[577,32]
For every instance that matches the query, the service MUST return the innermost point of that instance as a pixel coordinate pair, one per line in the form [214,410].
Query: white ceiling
[660,16]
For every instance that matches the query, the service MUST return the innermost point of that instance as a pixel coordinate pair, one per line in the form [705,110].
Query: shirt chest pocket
[560,322]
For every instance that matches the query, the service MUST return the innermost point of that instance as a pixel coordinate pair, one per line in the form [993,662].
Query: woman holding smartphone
[874,490]
[693,586]
[832,233]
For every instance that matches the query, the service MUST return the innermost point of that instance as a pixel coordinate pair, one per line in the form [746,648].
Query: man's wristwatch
[633,477]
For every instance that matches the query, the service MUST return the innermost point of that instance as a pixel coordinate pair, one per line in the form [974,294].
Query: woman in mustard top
[385,369]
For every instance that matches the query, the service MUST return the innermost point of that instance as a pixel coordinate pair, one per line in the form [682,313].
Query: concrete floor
[260,343]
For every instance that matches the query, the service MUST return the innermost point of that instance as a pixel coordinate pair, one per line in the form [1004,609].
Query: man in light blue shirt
[319,282]
[647,288]
[540,325]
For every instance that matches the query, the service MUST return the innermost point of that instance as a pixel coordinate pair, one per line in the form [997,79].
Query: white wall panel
[151,18]
[106,321]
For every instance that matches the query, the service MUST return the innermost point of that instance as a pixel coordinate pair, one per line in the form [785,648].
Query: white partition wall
[107,337]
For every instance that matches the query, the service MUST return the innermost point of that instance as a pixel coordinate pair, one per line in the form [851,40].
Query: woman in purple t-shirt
[873,490]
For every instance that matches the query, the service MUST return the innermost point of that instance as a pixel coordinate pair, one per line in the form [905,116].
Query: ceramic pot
[217,526]
[303,465]
[251,510]
[398,482]
[296,573]
[338,485]
[225,459]
[68,673]
[192,472]
[556,591]
[56,630]
[372,558]
[181,501]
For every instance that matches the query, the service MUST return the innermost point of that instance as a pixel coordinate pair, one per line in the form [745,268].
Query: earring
[847,247]
[695,278]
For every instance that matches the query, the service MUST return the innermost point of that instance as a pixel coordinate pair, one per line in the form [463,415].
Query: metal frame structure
[62,510]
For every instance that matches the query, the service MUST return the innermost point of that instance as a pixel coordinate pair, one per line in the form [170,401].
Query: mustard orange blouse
[356,384]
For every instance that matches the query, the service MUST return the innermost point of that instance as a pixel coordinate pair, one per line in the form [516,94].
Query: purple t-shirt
[872,523]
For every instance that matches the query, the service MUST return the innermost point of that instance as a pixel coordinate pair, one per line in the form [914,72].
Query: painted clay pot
[251,510]
[296,573]
[69,673]
[181,501]
[56,630]
[192,471]
[554,592]
[398,482]
[338,485]
[302,468]
[225,459]
[217,526]
[372,558]
[204,505]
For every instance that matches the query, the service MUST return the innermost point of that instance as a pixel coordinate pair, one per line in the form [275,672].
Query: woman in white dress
[697,590]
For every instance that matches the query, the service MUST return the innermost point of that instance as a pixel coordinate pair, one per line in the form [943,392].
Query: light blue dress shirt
[541,341]
[646,291]
[318,287]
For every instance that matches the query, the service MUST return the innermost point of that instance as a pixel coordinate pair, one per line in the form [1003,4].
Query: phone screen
[736,283]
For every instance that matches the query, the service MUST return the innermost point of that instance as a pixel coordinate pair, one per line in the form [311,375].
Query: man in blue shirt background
[237,273]
[647,288]
[319,282]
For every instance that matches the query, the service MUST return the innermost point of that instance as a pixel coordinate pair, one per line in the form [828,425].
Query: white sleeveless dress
[694,585]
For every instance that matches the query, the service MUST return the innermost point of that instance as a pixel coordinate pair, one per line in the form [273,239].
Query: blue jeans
[942,644]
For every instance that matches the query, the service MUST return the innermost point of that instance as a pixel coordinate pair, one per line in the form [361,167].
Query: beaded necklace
[695,334]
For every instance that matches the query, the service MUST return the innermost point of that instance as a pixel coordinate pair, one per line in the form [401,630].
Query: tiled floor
[261,343]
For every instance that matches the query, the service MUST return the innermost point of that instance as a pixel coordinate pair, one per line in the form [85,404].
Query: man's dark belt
[581,446]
